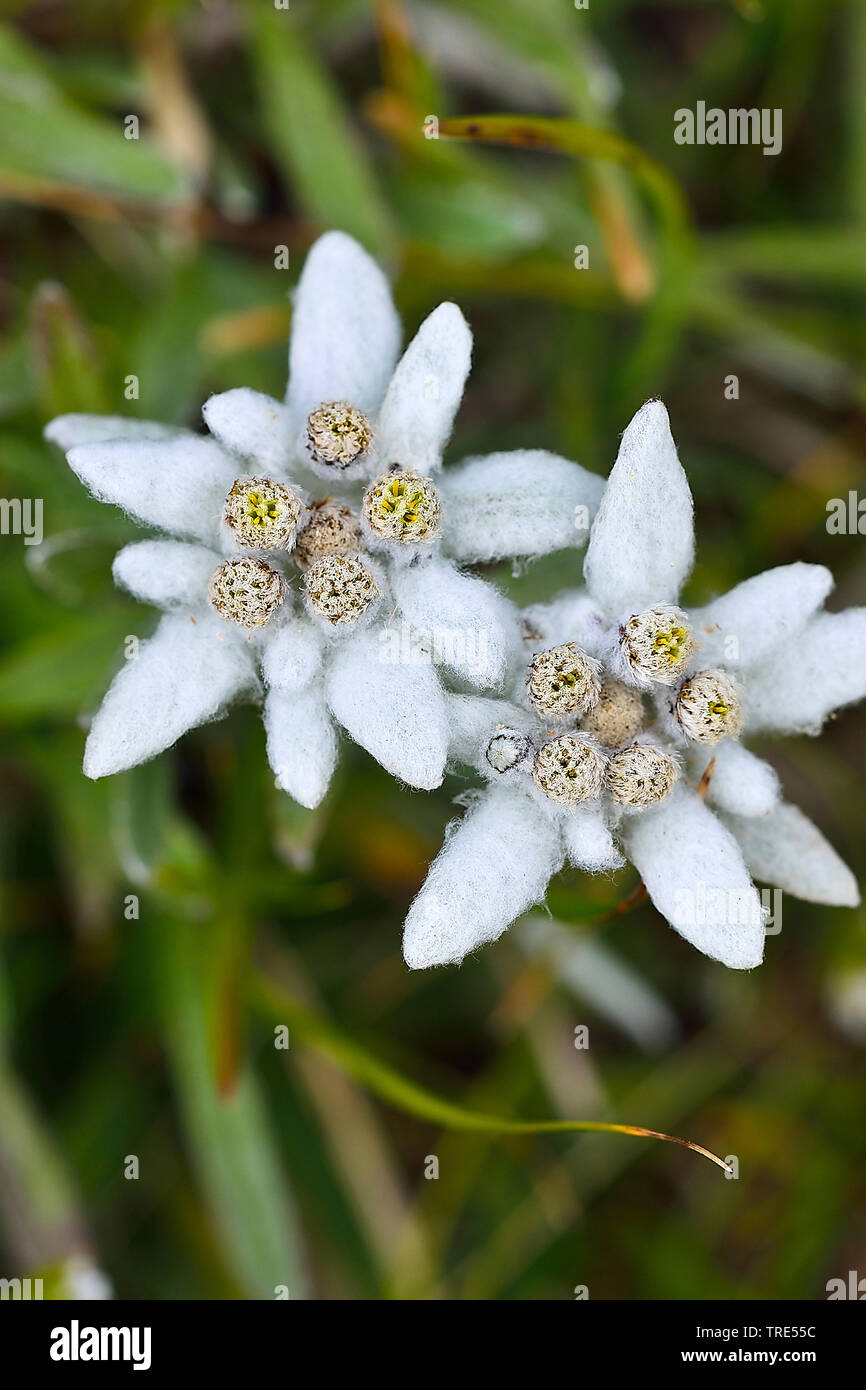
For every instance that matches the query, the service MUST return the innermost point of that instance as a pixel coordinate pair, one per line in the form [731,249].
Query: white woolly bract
[168,574]
[292,653]
[473,629]
[345,331]
[520,503]
[178,486]
[588,841]
[495,864]
[472,720]
[572,616]
[395,711]
[750,620]
[425,391]
[642,542]
[301,742]
[183,676]
[787,851]
[69,430]
[694,872]
[252,427]
[740,782]
[799,684]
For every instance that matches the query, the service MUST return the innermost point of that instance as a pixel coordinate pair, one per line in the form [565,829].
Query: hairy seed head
[618,716]
[340,588]
[569,769]
[506,749]
[333,529]
[262,514]
[709,707]
[657,644]
[337,434]
[641,775]
[403,506]
[246,591]
[563,681]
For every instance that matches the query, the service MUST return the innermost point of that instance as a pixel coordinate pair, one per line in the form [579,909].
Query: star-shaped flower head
[269,588]
[622,701]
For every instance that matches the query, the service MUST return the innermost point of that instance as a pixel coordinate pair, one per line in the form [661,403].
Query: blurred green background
[152,1036]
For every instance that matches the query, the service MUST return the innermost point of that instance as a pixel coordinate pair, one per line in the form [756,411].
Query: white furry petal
[183,676]
[168,574]
[787,851]
[251,426]
[588,841]
[393,709]
[801,682]
[69,430]
[302,743]
[642,542]
[524,502]
[425,391]
[472,628]
[740,782]
[345,330]
[178,486]
[570,617]
[495,864]
[694,872]
[471,721]
[739,627]
[292,654]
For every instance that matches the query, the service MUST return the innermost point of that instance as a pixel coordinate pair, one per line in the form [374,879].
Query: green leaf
[46,140]
[59,670]
[310,131]
[228,1135]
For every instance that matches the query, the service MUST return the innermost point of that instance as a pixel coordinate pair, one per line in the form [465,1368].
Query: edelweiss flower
[376,559]
[626,768]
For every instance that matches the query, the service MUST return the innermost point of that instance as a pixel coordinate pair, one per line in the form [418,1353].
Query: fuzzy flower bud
[262,514]
[506,749]
[563,682]
[333,529]
[617,718]
[340,588]
[656,645]
[709,707]
[641,776]
[569,769]
[403,506]
[338,434]
[246,591]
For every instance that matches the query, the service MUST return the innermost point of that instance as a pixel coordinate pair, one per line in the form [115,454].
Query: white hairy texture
[800,683]
[642,542]
[473,628]
[252,427]
[694,872]
[177,485]
[524,502]
[292,654]
[741,626]
[169,574]
[345,331]
[301,742]
[69,430]
[395,711]
[425,391]
[588,841]
[787,851]
[572,616]
[740,782]
[183,676]
[495,864]
[472,721]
